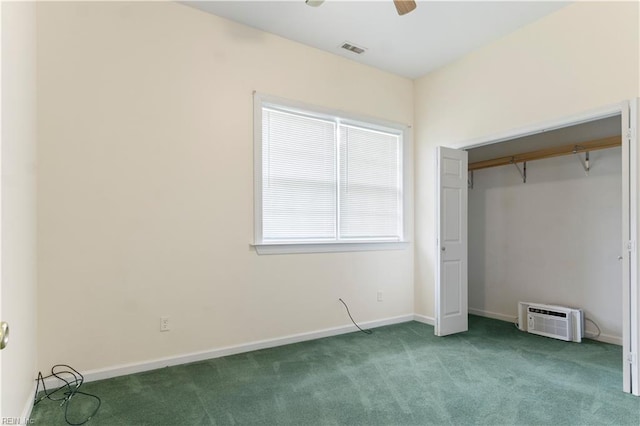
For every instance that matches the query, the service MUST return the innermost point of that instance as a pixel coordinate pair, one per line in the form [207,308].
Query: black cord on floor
[354,323]
[70,389]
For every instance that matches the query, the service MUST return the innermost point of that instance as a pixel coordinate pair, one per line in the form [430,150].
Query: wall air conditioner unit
[558,322]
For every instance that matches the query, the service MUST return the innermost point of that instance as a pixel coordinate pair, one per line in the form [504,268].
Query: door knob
[4,335]
[443,249]
[619,257]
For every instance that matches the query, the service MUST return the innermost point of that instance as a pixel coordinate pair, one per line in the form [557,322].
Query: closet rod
[573,148]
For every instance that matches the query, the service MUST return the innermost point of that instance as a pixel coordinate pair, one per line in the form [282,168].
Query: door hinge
[631,246]
[631,358]
[631,132]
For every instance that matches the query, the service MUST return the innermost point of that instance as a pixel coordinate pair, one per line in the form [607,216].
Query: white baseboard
[28,405]
[494,315]
[138,367]
[424,319]
[605,338]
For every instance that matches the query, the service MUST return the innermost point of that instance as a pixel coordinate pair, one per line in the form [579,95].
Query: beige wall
[145,168]
[582,57]
[18,228]
[146,186]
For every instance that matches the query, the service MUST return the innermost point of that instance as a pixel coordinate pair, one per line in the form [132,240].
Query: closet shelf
[573,148]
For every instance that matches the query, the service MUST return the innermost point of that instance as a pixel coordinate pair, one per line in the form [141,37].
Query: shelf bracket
[470,179]
[523,171]
[585,163]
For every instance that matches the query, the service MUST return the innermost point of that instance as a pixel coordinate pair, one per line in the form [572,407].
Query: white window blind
[370,194]
[324,179]
[298,177]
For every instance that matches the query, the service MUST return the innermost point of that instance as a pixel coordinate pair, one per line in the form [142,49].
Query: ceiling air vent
[353,48]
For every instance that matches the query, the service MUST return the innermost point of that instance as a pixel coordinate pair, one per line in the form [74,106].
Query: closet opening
[545,225]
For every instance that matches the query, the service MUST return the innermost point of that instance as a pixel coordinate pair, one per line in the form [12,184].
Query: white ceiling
[434,34]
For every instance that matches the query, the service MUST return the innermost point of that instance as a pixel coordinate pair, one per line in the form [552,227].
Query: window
[325,182]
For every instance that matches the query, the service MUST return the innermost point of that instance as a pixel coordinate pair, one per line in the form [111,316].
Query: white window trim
[261,247]
[333,247]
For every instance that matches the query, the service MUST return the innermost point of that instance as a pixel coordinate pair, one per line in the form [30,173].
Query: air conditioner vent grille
[549,326]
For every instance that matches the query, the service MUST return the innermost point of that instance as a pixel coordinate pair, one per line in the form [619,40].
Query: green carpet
[400,375]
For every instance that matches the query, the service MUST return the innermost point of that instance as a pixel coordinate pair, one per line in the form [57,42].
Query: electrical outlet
[164,324]
[379,296]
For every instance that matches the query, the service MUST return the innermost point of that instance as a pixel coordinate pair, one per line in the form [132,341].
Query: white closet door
[451,269]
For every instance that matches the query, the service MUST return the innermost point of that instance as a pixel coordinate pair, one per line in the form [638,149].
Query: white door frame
[1,412]
[631,310]
[628,110]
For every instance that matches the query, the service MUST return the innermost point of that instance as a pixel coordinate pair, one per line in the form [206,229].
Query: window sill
[292,248]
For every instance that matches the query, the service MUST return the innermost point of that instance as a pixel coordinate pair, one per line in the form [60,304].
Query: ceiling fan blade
[404,6]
